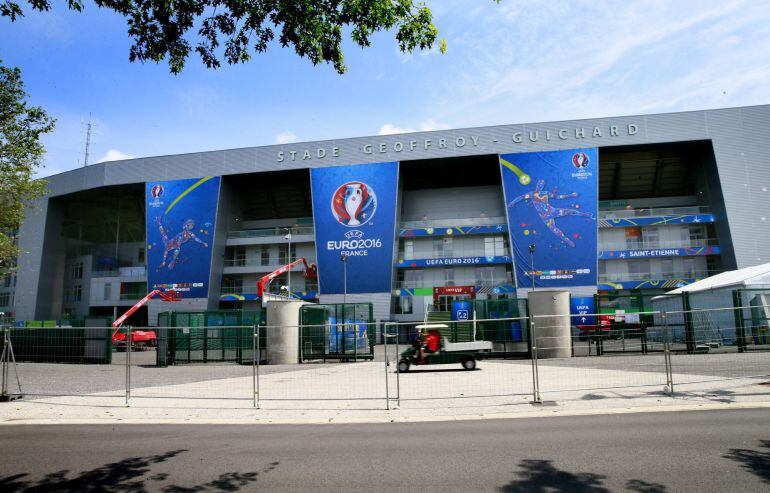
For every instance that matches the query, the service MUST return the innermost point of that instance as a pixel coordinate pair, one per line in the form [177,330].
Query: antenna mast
[88,140]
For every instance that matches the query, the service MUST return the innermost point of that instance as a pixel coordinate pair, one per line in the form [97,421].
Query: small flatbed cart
[465,353]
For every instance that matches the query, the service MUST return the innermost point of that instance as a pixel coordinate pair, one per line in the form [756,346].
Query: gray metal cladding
[740,138]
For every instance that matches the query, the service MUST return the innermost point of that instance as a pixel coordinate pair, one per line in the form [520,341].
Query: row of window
[239,255]
[494,246]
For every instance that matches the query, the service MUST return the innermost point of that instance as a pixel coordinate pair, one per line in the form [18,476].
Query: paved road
[694,451]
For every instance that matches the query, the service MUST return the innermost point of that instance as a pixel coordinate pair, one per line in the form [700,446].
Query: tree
[21,153]
[229,29]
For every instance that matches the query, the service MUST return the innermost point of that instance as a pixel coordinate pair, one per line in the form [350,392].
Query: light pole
[288,274]
[344,259]
[532,264]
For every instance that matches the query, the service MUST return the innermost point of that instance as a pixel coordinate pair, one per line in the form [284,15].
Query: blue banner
[624,222]
[181,216]
[354,211]
[648,284]
[453,261]
[349,338]
[454,230]
[659,252]
[551,200]
[583,310]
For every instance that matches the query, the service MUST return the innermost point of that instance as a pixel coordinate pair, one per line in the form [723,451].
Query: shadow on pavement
[754,461]
[128,475]
[541,476]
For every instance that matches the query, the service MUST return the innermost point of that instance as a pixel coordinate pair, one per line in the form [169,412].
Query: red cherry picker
[141,338]
[310,272]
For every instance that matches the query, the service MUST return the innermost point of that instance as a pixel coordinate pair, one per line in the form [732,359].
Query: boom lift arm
[310,273]
[170,296]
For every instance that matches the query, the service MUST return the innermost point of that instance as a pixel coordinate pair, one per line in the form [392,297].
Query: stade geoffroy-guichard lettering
[616,205]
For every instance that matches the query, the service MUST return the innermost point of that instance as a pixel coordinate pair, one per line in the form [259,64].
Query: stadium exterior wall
[739,137]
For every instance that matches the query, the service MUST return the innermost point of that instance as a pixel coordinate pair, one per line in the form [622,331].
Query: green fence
[207,337]
[91,345]
[337,331]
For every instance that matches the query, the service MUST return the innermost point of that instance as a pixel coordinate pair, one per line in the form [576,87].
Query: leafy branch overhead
[228,30]
[21,154]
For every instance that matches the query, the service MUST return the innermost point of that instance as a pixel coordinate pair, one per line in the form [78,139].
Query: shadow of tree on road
[541,476]
[128,475]
[755,461]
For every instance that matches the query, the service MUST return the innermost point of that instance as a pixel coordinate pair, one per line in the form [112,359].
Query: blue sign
[181,217]
[459,261]
[354,211]
[659,252]
[551,200]
[347,335]
[462,310]
[583,310]
[648,284]
[454,230]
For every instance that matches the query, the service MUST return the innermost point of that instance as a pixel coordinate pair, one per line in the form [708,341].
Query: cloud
[114,155]
[428,125]
[286,137]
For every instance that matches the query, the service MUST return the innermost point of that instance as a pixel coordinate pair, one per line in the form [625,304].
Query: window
[282,254]
[5,299]
[239,257]
[602,269]
[403,305]
[697,236]
[485,275]
[77,291]
[107,291]
[140,256]
[442,247]
[689,268]
[265,257]
[449,277]
[651,237]
[7,280]
[408,249]
[639,269]
[667,267]
[413,278]
[77,270]
[494,246]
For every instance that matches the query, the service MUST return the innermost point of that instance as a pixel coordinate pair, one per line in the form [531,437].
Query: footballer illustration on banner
[180,228]
[558,215]
[354,212]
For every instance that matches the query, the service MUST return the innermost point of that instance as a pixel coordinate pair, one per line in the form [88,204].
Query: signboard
[459,261]
[462,310]
[453,291]
[551,203]
[660,252]
[623,222]
[354,211]
[181,217]
[583,310]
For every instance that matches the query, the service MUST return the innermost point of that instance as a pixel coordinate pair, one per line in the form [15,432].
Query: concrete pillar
[552,323]
[283,331]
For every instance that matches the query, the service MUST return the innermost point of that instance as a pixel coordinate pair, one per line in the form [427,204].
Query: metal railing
[657,276]
[276,231]
[431,283]
[657,244]
[438,222]
[132,271]
[271,266]
[653,211]
[640,358]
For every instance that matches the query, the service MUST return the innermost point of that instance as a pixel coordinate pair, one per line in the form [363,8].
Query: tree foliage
[227,30]
[21,153]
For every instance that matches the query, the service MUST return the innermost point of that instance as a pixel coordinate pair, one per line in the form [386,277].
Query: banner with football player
[354,211]
[181,215]
[551,202]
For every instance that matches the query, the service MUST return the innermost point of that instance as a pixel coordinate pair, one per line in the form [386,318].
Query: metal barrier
[693,351]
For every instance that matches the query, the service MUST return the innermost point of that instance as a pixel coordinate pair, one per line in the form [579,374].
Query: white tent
[757,276]
[713,305]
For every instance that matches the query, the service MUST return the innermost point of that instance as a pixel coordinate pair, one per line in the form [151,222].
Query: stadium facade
[610,205]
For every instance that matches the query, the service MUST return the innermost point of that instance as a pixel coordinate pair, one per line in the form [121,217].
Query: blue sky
[521,61]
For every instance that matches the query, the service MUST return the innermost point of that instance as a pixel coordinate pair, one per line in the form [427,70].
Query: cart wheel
[469,364]
[403,366]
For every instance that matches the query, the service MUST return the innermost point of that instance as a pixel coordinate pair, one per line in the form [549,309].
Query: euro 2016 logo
[156,191]
[580,160]
[354,204]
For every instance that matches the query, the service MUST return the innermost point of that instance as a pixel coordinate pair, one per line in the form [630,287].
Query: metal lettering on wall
[578,134]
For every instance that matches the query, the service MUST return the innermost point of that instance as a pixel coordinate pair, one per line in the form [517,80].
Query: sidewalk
[315,395]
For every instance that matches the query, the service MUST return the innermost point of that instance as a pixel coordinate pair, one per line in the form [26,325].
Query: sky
[514,62]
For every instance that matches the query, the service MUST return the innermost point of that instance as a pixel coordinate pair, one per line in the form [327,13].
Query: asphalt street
[675,451]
